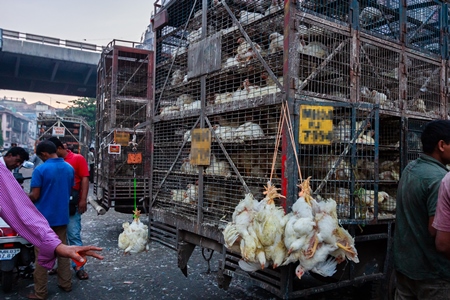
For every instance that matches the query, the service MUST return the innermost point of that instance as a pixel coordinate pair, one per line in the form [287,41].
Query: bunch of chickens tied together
[310,234]
[134,238]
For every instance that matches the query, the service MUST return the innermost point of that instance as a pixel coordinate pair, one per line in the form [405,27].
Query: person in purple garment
[22,215]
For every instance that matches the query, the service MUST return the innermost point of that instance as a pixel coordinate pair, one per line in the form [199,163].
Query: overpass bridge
[34,63]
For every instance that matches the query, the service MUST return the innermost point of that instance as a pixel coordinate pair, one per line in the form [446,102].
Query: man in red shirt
[80,192]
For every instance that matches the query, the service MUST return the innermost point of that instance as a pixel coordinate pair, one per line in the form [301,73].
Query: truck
[248,93]
[124,94]
[72,130]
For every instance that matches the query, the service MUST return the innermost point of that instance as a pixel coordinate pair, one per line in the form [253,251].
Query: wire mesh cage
[414,143]
[228,69]
[380,75]
[424,90]
[345,168]
[424,25]
[324,59]
[124,95]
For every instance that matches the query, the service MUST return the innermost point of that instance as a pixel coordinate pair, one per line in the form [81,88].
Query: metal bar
[322,65]
[241,179]
[145,60]
[255,51]
[171,167]
[371,237]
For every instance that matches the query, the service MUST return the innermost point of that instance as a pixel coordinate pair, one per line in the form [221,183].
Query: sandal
[82,275]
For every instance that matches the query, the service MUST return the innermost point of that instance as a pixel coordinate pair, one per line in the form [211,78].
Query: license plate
[6,254]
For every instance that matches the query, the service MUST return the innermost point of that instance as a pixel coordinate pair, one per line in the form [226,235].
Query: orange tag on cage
[134,158]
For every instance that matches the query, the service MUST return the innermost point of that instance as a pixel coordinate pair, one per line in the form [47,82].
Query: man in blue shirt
[51,186]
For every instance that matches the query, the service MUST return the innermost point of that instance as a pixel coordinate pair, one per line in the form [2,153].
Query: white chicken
[246,17]
[194,105]
[218,167]
[315,49]
[224,132]
[245,51]
[223,98]
[167,110]
[276,42]
[417,105]
[191,193]
[313,247]
[177,77]
[184,99]
[230,62]
[178,195]
[248,130]
[186,166]
[274,7]
[240,230]
[269,226]
[134,238]
[370,15]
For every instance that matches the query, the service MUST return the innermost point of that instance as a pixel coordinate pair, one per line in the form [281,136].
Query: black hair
[433,132]
[45,146]
[92,148]
[14,151]
[56,141]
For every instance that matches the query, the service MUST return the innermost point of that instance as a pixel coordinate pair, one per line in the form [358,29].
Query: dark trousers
[91,173]
[433,289]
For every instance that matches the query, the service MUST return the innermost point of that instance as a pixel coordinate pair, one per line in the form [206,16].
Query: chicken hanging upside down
[318,250]
[134,238]
[310,234]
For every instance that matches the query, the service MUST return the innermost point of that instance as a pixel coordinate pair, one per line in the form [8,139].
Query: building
[14,128]
[14,112]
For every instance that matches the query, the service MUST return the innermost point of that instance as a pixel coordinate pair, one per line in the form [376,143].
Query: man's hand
[78,252]
[82,206]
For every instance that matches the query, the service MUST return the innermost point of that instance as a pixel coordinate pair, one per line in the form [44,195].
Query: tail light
[7,232]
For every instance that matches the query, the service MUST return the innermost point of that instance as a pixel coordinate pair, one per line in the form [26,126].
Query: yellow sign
[121,138]
[316,125]
[201,147]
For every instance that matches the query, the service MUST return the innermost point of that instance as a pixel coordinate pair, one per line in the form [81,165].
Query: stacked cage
[349,74]
[77,133]
[124,94]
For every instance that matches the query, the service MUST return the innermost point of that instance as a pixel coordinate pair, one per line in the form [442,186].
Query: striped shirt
[20,213]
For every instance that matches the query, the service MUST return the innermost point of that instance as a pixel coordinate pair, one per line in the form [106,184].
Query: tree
[84,107]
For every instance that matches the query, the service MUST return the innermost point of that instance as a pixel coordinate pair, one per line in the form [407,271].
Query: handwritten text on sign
[316,125]
[58,131]
[201,147]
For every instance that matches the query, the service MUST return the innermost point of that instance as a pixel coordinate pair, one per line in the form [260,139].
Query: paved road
[148,275]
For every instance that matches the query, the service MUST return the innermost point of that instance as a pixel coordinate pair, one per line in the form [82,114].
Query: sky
[91,21]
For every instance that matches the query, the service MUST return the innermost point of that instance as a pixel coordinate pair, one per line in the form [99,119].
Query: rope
[285,119]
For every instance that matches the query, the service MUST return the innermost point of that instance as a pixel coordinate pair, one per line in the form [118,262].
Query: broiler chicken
[246,17]
[134,238]
[248,130]
[177,77]
[217,167]
[312,248]
[245,51]
[269,226]
[240,230]
[276,42]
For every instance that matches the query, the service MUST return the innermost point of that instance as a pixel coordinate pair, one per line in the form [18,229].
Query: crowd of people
[52,219]
[49,217]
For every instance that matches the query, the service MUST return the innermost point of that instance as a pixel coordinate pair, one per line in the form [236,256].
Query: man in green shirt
[422,272]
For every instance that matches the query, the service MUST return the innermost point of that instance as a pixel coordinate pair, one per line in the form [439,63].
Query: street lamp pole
[71,107]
